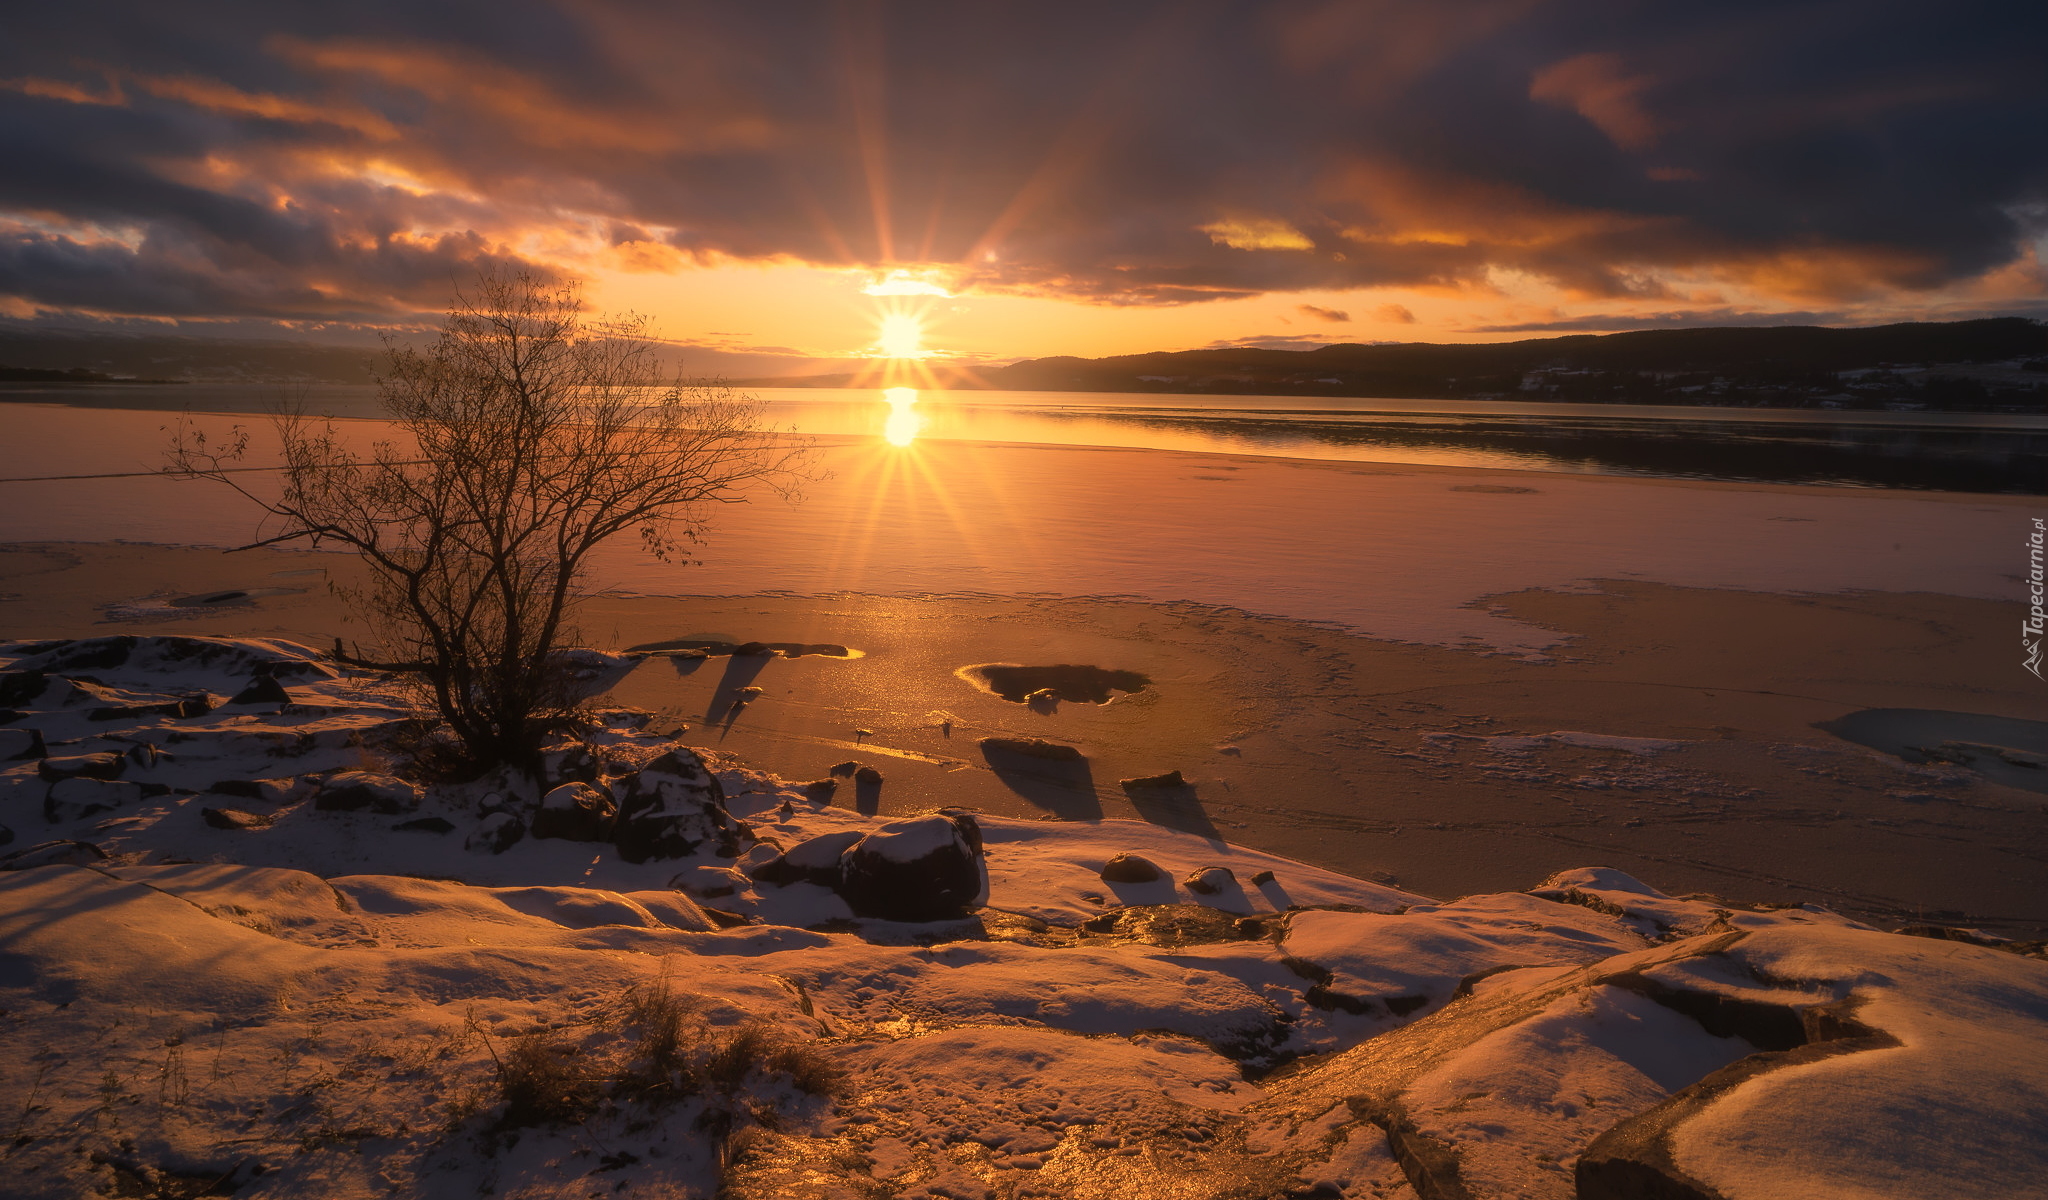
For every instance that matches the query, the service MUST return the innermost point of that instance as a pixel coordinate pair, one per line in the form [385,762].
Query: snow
[1958,1109]
[329,999]
[909,841]
[1520,1102]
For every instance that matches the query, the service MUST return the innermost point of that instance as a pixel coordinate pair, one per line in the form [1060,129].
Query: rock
[1208,881]
[268,791]
[18,744]
[79,797]
[748,693]
[758,855]
[234,818]
[359,791]
[584,664]
[670,808]
[820,791]
[1172,779]
[145,755]
[425,825]
[752,650]
[867,777]
[45,854]
[1129,868]
[709,882]
[262,690]
[575,812]
[21,687]
[567,762]
[105,765]
[813,861]
[1172,925]
[493,802]
[6,836]
[195,705]
[623,718]
[496,834]
[921,869]
[844,769]
[171,654]
[1262,878]
[1032,748]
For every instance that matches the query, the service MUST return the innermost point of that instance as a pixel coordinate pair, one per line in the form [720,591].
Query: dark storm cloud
[302,159]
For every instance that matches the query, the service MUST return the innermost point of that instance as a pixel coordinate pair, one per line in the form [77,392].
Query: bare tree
[526,437]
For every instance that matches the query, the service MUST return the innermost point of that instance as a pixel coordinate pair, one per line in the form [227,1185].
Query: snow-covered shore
[237,954]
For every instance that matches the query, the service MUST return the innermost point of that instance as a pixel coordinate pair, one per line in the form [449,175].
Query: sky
[770,181]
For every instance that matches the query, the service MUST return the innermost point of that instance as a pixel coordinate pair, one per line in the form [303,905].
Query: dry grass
[757,1048]
[670,1026]
[665,1051]
[539,1079]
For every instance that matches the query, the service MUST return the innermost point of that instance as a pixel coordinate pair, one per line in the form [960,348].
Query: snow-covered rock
[922,869]
[80,797]
[575,812]
[670,808]
[1125,867]
[18,744]
[127,658]
[103,764]
[496,833]
[361,791]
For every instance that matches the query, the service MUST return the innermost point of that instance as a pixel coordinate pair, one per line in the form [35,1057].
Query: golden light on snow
[903,423]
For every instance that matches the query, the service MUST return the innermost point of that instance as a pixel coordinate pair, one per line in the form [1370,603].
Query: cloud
[1597,88]
[296,158]
[1334,315]
[1257,233]
[1394,314]
[1275,341]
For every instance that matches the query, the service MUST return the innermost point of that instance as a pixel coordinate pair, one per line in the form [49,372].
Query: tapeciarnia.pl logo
[2037,619]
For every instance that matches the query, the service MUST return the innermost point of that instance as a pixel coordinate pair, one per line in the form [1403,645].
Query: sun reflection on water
[904,421]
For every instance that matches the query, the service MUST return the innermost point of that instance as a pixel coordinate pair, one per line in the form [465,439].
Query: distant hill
[1987,364]
[173,357]
[73,375]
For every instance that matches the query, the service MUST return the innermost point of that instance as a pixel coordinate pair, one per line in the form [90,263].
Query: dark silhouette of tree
[524,437]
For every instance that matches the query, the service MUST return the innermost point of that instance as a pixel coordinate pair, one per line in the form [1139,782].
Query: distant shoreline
[74,375]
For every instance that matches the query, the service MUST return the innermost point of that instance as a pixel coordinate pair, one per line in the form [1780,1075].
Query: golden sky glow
[788,196]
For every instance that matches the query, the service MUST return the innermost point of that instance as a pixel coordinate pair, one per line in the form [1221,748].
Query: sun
[902,336]
[903,423]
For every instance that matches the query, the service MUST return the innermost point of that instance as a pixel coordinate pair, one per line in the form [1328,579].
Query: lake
[1969,452]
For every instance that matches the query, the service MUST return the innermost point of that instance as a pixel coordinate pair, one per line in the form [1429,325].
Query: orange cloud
[219,97]
[648,257]
[532,111]
[57,89]
[1410,206]
[1833,273]
[1594,86]
[1257,233]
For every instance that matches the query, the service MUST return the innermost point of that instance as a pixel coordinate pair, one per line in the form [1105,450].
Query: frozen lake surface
[1971,452]
[1392,550]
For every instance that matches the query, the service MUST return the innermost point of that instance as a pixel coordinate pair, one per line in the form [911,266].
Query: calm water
[1923,450]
